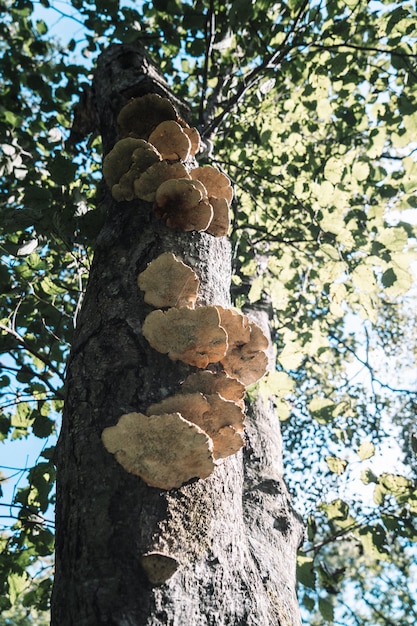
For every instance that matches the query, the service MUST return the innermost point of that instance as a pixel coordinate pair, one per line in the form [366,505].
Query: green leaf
[291,356]
[42,426]
[361,170]
[333,170]
[366,450]
[308,603]
[41,27]
[322,409]
[51,288]
[373,539]
[337,511]
[305,571]
[364,279]
[17,583]
[276,384]
[326,609]
[367,477]
[336,465]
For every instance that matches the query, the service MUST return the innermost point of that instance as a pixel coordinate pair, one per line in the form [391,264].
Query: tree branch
[369,367]
[271,62]
[352,46]
[209,34]
[22,341]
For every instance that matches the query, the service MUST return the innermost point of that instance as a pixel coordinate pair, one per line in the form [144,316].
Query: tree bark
[230,540]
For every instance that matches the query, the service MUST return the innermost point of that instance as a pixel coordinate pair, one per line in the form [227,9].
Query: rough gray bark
[233,535]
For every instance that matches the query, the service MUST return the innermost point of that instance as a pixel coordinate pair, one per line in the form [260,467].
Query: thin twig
[31,350]
[209,34]
[271,62]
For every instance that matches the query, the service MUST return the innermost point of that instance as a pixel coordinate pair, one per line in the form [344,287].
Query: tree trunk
[229,541]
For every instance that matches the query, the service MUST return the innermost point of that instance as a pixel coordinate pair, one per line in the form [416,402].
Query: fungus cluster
[205,418]
[148,163]
[207,414]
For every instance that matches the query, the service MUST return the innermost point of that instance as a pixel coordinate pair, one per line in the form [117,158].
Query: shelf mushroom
[245,359]
[127,160]
[164,450]
[193,336]
[168,282]
[221,419]
[183,204]
[220,194]
[146,186]
[209,383]
[140,116]
[159,567]
[171,141]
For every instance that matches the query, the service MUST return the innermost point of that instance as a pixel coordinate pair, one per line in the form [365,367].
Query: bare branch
[23,342]
[209,34]
[271,61]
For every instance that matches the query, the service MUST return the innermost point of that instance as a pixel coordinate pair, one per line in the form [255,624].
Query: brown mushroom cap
[118,161]
[210,383]
[220,419]
[170,141]
[141,160]
[245,358]
[194,137]
[191,406]
[224,424]
[246,366]
[220,224]
[216,183]
[181,204]
[146,186]
[140,116]
[190,335]
[236,325]
[167,281]
[164,450]
[258,340]
[124,163]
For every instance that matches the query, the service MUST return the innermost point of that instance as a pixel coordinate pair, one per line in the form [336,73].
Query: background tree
[317,103]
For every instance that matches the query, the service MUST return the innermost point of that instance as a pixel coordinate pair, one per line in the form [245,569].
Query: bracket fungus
[193,135]
[193,336]
[164,450]
[245,358]
[209,383]
[127,160]
[220,224]
[219,193]
[221,419]
[158,567]
[216,183]
[146,185]
[140,116]
[171,141]
[182,204]
[168,282]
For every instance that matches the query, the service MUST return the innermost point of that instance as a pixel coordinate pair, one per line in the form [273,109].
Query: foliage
[312,109]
